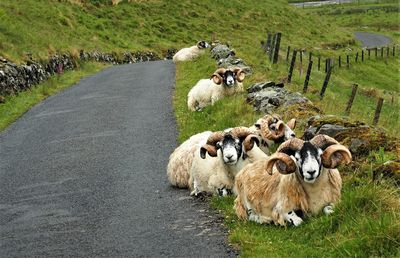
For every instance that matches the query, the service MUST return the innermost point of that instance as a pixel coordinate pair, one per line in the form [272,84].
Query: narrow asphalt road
[371,40]
[83,174]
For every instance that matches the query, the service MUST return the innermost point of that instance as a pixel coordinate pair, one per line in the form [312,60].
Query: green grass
[41,27]
[365,224]
[16,105]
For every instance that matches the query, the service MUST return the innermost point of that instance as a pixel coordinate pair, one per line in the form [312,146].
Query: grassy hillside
[41,27]
[366,221]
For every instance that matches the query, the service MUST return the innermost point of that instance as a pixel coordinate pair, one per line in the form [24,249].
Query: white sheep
[272,129]
[223,82]
[228,152]
[180,161]
[189,53]
[307,182]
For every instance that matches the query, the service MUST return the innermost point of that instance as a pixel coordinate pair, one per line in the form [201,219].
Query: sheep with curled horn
[190,53]
[223,82]
[272,129]
[300,179]
[221,158]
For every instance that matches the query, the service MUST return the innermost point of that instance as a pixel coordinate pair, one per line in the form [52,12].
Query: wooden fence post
[301,63]
[352,96]
[287,54]
[326,65]
[319,63]
[356,57]
[362,55]
[348,61]
[378,111]
[268,47]
[277,46]
[387,51]
[369,53]
[325,85]
[292,63]
[310,63]
[340,61]
[381,52]
[376,52]
[271,52]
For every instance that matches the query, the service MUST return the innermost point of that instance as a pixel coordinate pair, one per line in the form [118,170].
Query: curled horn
[290,146]
[241,132]
[323,141]
[240,74]
[269,134]
[334,155]
[249,141]
[282,162]
[217,76]
[210,146]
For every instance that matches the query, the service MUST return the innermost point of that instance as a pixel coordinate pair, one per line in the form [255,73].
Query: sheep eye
[273,127]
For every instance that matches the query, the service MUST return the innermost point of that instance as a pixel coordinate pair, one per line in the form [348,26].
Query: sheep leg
[224,191]
[328,209]
[293,218]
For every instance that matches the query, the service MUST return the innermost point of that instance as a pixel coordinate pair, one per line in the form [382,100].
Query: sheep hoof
[328,209]
[293,219]
[224,192]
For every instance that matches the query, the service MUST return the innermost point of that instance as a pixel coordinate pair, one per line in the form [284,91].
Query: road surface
[371,40]
[83,174]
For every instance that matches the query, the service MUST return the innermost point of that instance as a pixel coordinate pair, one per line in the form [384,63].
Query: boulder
[234,62]
[221,51]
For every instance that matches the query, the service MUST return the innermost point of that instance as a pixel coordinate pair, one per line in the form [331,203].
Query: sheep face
[273,128]
[307,158]
[203,44]
[228,77]
[231,149]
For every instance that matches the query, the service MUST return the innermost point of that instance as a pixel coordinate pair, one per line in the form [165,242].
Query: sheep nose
[311,172]
[293,135]
[229,156]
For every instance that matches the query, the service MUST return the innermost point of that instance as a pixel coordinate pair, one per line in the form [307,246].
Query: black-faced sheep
[228,152]
[305,182]
[223,82]
[190,53]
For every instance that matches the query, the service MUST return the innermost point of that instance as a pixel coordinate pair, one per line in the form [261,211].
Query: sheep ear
[249,141]
[292,123]
[211,150]
[240,74]
[282,162]
[216,79]
[334,155]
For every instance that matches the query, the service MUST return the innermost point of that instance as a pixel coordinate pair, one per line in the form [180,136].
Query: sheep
[223,82]
[189,53]
[180,161]
[228,152]
[307,182]
[272,129]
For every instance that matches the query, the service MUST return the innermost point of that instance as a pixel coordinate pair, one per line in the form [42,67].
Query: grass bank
[16,105]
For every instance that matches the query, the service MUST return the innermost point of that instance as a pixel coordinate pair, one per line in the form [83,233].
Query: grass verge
[16,105]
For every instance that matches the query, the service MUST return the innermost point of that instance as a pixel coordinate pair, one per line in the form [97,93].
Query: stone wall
[15,78]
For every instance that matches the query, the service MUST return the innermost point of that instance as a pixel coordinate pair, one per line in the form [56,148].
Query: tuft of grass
[16,105]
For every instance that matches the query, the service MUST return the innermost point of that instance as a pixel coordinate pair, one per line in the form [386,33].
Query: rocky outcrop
[267,97]
[226,58]
[359,137]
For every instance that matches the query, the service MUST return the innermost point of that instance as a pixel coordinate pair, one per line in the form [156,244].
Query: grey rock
[221,51]
[331,129]
[234,62]
[266,97]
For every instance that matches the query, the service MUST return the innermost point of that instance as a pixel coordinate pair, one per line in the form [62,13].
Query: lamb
[180,161]
[189,53]
[307,182]
[223,82]
[228,152]
[272,129]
